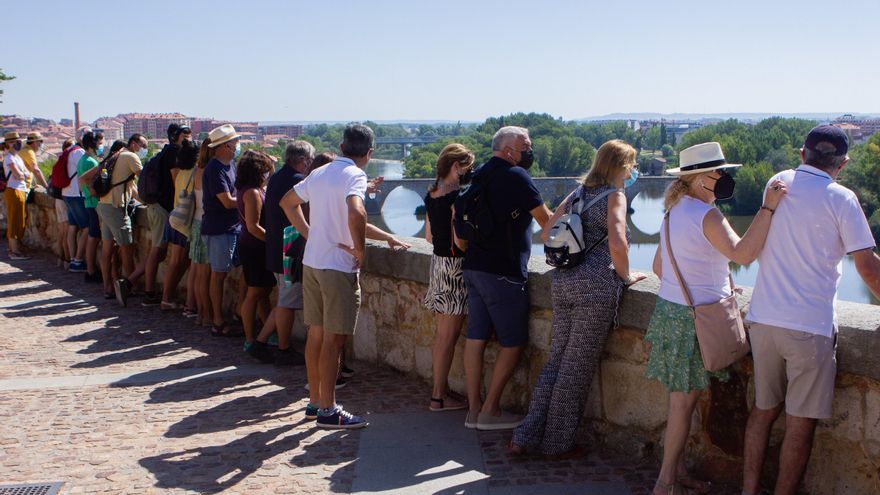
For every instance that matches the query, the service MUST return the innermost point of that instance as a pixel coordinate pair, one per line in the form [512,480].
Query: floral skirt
[675,358]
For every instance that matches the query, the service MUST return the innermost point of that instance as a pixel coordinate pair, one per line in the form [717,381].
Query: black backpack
[103,182]
[149,184]
[473,220]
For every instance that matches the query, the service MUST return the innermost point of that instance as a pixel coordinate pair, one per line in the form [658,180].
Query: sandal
[444,407]
[225,331]
[696,486]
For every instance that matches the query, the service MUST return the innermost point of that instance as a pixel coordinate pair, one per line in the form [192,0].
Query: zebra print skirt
[446,291]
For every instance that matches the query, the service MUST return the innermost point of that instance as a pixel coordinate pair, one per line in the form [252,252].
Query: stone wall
[625,410]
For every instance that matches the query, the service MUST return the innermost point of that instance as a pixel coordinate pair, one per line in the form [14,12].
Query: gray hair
[297,151]
[81,132]
[505,133]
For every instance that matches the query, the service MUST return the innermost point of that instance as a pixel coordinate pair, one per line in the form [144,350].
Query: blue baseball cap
[830,134]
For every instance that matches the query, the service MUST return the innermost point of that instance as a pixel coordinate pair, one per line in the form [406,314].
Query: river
[398,216]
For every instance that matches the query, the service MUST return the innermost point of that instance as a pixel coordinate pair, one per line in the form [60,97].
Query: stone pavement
[134,400]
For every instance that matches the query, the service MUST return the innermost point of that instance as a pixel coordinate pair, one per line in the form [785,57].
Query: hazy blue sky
[385,60]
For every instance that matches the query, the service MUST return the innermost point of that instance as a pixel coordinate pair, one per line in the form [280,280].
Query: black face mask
[466,177]
[724,187]
[17,146]
[527,158]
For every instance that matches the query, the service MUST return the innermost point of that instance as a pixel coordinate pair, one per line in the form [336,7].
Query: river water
[398,216]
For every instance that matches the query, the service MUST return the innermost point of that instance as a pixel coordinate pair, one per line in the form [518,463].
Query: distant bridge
[552,189]
[405,141]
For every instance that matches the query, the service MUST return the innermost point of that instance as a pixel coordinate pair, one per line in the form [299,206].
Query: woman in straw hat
[703,244]
[16,175]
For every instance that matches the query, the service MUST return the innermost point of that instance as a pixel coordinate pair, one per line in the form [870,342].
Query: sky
[327,60]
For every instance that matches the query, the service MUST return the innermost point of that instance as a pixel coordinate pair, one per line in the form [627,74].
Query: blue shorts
[76,212]
[174,236]
[500,303]
[221,251]
[94,223]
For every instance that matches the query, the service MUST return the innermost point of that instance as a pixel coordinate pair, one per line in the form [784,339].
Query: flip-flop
[444,407]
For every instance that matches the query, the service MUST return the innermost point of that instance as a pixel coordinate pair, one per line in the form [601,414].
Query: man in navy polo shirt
[496,273]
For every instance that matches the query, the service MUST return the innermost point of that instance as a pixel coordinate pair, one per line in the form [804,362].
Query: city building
[288,130]
[151,125]
[859,129]
[112,127]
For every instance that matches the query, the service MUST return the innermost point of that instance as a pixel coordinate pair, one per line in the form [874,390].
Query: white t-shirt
[704,269]
[326,190]
[13,164]
[815,225]
[72,190]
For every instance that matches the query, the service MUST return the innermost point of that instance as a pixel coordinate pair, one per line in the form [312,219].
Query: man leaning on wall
[793,322]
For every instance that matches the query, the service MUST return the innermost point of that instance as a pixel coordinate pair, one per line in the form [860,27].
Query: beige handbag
[719,325]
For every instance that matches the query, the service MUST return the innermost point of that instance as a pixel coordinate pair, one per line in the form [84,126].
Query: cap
[830,134]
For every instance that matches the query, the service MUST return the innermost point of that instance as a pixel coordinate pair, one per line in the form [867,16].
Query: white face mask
[142,153]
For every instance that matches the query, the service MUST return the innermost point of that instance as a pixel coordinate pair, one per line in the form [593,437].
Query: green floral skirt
[675,358]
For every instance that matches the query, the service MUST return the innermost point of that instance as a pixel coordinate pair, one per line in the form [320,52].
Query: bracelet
[771,210]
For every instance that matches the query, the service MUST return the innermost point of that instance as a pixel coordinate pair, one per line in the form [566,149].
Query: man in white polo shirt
[793,322]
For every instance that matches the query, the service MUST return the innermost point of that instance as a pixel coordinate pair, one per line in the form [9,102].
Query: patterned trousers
[559,398]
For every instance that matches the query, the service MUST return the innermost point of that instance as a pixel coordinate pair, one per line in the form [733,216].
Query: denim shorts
[499,303]
[76,212]
[94,223]
[221,251]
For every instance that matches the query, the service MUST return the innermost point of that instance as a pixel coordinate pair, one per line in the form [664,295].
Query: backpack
[473,220]
[149,183]
[59,178]
[103,181]
[565,245]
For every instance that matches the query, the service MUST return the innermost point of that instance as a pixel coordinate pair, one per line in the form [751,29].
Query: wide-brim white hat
[701,158]
[222,134]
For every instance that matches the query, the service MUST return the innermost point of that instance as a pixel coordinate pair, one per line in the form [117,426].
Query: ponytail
[677,190]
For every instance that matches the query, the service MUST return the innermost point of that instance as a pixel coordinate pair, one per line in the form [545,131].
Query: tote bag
[719,325]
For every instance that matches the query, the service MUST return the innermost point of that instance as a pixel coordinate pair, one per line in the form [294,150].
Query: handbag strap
[684,288]
[192,177]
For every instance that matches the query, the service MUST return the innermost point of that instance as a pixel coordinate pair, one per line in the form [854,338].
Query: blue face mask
[100,150]
[633,176]
[237,151]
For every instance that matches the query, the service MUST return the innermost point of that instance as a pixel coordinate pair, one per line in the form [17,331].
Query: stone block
[423,362]
[627,344]
[839,467]
[364,340]
[872,414]
[593,410]
[540,329]
[847,415]
[630,399]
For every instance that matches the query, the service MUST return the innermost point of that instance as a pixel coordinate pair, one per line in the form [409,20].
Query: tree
[662,133]
[652,138]
[667,150]
[4,77]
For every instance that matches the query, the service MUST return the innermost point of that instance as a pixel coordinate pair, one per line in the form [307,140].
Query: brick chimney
[76,115]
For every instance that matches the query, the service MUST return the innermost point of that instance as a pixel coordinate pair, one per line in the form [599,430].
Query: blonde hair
[677,190]
[452,153]
[612,156]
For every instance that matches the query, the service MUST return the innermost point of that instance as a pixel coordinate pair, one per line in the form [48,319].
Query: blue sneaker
[77,266]
[311,412]
[340,420]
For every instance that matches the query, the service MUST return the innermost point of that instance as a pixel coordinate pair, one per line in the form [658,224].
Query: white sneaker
[506,421]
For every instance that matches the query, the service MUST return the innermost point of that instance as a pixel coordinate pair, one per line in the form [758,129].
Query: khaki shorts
[794,367]
[115,224]
[157,217]
[331,299]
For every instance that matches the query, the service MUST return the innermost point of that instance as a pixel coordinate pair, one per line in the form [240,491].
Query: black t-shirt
[280,183]
[167,161]
[512,196]
[439,211]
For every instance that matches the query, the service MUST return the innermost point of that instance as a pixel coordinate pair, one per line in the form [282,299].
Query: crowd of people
[303,229]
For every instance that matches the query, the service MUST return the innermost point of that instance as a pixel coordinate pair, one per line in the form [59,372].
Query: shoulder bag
[181,216]
[718,325]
